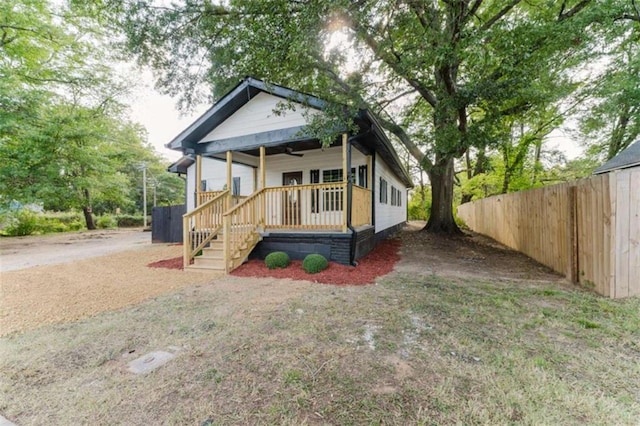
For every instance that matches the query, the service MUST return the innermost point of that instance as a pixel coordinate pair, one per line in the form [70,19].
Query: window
[393,195]
[399,197]
[334,175]
[203,185]
[332,197]
[384,195]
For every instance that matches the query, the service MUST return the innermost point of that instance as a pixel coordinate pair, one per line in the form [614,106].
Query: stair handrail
[194,234]
[233,241]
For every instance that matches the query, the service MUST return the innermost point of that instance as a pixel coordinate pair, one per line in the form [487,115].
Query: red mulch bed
[377,263]
[173,263]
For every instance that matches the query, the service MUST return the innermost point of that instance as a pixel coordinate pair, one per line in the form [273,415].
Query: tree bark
[88,217]
[441,219]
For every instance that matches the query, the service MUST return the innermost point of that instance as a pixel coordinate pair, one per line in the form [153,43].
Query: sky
[159,115]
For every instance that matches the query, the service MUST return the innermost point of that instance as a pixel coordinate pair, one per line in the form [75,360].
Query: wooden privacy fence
[588,230]
[166,224]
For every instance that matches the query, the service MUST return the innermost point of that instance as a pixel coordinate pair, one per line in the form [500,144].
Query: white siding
[330,158]
[257,116]
[215,173]
[388,215]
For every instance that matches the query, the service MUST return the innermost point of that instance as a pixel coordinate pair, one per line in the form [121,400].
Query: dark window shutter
[314,177]
[236,186]
[362,176]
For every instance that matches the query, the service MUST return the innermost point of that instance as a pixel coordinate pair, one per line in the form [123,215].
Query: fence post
[572,234]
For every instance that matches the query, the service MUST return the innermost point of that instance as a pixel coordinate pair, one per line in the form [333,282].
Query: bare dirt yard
[463,331]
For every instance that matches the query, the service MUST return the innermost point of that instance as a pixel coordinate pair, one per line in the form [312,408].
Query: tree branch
[575,9]
[499,15]
[406,140]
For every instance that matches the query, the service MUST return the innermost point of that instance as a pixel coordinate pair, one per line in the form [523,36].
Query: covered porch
[288,197]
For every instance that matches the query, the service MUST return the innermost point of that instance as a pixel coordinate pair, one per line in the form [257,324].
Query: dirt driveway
[25,252]
[70,283]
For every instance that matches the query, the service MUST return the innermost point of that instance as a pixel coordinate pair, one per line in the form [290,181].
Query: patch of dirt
[70,291]
[468,256]
[78,289]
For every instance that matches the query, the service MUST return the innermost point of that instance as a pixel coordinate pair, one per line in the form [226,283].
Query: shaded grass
[410,350]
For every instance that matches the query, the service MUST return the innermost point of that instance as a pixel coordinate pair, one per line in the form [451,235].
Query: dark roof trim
[231,102]
[181,165]
[251,141]
[628,157]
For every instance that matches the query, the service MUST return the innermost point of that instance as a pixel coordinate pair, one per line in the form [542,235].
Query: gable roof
[241,95]
[628,157]
[248,88]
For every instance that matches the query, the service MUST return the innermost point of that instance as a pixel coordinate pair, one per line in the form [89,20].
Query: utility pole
[144,194]
[155,185]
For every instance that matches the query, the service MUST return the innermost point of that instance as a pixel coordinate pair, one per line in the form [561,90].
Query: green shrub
[314,263]
[277,259]
[76,226]
[129,221]
[47,225]
[24,222]
[106,221]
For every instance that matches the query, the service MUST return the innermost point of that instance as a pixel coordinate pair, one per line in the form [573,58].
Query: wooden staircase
[212,257]
[234,233]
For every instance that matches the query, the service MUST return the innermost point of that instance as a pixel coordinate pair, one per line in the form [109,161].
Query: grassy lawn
[409,350]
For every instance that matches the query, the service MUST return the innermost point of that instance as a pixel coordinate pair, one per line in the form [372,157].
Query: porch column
[345,170]
[263,172]
[229,180]
[196,202]
[263,184]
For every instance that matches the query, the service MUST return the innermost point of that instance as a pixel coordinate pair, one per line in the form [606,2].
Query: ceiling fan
[289,151]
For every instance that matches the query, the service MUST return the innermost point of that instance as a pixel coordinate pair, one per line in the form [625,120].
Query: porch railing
[201,225]
[360,206]
[204,196]
[305,207]
[241,225]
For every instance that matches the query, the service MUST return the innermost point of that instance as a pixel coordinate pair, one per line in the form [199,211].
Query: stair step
[209,262]
[206,268]
[213,252]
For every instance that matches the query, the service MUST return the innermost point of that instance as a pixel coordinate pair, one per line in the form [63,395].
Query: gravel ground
[67,292]
[35,250]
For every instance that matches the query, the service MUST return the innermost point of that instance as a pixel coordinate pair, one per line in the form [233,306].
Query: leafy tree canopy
[64,141]
[443,77]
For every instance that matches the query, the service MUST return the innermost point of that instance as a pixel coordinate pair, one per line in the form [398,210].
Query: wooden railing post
[226,232]
[186,242]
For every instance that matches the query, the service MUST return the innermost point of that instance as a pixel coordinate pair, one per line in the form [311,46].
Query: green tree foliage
[442,76]
[612,120]
[63,139]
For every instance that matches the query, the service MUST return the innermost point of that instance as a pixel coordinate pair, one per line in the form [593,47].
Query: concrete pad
[5,422]
[150,362]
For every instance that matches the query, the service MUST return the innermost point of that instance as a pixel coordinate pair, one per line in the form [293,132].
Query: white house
[257,182]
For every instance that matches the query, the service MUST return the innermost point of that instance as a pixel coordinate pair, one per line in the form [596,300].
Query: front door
[291,198]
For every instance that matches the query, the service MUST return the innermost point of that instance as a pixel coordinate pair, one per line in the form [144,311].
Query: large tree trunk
[88,217]
[441,218]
